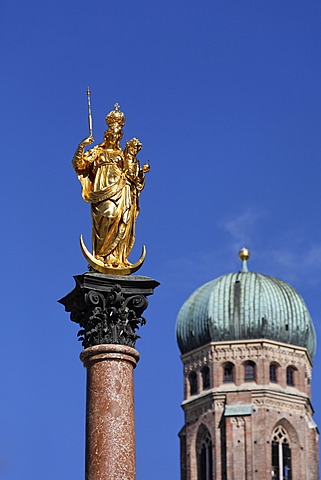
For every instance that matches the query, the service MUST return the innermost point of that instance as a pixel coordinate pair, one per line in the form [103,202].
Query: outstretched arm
[79,161]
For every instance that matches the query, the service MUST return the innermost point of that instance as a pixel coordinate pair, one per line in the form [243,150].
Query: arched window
[273,372]
[281,455]
[204,453]
[206,377]
[192,383]
[228,372]
[290,376]
[249,371]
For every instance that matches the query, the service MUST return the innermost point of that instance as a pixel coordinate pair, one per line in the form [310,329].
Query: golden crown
[115,117]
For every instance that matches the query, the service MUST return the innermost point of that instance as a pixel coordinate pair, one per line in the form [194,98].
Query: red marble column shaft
[110,423]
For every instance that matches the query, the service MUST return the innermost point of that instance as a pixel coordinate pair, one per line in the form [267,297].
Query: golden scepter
[90,118]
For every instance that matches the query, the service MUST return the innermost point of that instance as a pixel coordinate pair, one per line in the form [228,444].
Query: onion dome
[245,306]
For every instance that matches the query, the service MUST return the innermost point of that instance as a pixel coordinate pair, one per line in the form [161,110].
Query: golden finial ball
[244,254]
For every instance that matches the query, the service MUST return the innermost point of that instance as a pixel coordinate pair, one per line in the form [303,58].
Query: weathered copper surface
[241,306]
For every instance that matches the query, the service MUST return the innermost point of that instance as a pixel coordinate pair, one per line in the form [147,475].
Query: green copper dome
[243,306]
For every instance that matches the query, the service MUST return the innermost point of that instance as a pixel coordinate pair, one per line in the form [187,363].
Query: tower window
[249,371]
[281,455]
[204,454]
[290,376]
[206,377]
[273,372]
[228,372]
[192,383]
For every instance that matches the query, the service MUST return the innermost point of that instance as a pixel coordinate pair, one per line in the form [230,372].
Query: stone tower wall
[242,415]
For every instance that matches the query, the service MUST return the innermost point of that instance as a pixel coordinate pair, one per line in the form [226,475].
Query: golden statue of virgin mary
[111,180]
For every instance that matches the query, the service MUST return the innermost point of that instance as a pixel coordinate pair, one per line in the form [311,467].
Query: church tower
[247,343]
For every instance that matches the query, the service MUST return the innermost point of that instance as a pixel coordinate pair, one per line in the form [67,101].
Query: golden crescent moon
[99,266]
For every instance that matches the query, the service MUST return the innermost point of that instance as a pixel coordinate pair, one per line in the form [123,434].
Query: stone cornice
[257,392]
[250,343]
[194,408]
[261,398]
[252,349]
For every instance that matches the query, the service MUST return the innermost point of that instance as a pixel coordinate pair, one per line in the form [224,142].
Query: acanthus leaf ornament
[108,312]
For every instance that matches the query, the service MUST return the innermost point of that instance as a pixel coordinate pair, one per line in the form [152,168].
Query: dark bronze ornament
[108,309]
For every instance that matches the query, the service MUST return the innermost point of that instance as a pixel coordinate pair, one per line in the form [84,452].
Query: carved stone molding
[197,360]
[193,414]
[280,405]
[250,351]
[109,309]
[219,405]
[195,409]
[238,421]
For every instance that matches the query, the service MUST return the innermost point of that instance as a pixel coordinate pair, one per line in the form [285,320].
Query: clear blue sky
[225,97]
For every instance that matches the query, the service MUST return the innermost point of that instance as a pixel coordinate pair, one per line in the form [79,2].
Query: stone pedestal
[109,311]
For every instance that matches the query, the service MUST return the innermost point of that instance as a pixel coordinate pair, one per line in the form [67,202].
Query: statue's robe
[113,195]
